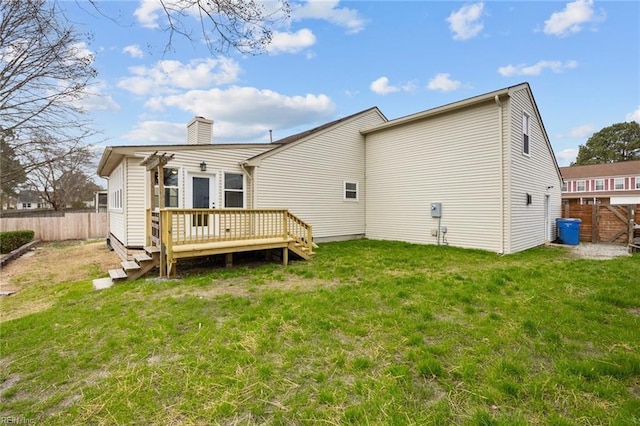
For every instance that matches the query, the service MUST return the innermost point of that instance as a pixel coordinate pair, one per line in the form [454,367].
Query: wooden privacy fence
[59,226]
[603,223]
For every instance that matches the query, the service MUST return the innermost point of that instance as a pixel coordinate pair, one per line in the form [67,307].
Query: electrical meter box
[436,209]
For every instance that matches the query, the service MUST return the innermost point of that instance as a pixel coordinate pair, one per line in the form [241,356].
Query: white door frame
[213,188]
[547,219]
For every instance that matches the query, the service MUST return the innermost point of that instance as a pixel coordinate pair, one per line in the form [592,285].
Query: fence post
[594,222]
[630,215]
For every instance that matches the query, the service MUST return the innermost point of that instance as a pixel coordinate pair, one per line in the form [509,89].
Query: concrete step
[117,274]
[130,265]
[102,283]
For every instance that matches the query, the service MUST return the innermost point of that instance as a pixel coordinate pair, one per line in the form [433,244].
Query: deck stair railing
[171,228]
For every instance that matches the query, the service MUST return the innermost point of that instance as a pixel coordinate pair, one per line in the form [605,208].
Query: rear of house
[485,161]
[319,176]
[198,176]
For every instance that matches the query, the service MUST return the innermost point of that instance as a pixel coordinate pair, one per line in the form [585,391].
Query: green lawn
[367,332]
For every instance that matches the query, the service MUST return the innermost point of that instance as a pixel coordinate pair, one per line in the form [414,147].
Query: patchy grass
[366,332]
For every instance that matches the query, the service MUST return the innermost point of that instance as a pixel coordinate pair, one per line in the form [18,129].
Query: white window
[637,182]
[171,189]
[580,186]
[564,186]
[599,184]
[234,190]
[350,191]
[618,183]
[116,188]
[525,133]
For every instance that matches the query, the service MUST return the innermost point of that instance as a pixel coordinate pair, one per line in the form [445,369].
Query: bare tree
[243,25]
[63,175]
[44,72]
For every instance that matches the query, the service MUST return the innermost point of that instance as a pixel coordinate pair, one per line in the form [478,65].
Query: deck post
[228,260]
[285,223]
[285,256]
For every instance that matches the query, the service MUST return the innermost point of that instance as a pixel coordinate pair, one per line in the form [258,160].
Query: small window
[234,190]
[637,182]
[599,184]
[580,186]
[618,183]
[171,191]
[525,133]
[350,191]
[564,186]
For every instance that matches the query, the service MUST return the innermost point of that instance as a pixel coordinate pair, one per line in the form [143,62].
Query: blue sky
[332,59]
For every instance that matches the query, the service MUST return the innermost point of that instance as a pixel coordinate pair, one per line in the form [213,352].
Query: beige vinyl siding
[451,158]
[308,179]
[136,200]
[530,175]
[135,205]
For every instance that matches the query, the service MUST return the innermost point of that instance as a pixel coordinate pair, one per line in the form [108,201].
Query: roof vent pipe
[270,136]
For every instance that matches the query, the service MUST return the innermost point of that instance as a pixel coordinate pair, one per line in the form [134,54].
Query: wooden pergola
[155,164]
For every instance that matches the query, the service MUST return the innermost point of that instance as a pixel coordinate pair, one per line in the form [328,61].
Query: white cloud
[583,131]
[148,12]
[566,156]
[80,50]
[133,50]
[381,86]
[158,132]
[291,42]
[634,116]
[465,22]
[571,19]
[443,82]
[94,98]
[166,76]
[537,68]
[329,11]
[248,112]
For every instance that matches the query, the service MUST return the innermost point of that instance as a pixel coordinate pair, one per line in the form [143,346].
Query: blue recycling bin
[569,231]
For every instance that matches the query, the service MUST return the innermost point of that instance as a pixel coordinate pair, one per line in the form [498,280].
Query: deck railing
[172,227]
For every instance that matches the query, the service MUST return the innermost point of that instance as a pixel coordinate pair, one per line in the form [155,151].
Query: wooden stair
[300,250]
[131,269]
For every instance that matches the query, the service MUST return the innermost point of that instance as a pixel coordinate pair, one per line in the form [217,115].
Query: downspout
[501,146]
[243,166]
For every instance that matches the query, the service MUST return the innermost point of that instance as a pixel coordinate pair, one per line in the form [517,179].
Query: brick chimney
[200,131]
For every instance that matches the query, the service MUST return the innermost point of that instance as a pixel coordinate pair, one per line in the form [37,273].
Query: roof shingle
[623,168]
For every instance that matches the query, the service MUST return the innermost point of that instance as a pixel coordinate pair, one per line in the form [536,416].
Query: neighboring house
[31,200]
[610,183]
[484,164]
[9,202]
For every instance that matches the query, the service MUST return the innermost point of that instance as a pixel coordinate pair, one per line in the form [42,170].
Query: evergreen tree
[618,142]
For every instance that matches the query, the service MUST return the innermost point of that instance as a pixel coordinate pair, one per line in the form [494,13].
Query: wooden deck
[175,234]
[188,233]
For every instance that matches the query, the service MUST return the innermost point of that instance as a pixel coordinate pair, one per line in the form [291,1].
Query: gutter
[501,147]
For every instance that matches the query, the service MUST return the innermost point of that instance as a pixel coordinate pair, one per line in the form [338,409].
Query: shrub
[12,240]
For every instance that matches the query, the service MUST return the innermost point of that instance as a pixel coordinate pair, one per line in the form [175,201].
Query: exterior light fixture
[203,167]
